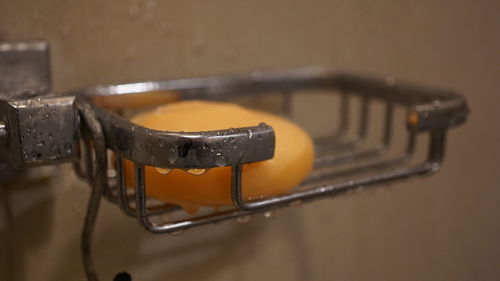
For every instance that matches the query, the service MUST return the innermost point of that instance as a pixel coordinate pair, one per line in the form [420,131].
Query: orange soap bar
[292,161]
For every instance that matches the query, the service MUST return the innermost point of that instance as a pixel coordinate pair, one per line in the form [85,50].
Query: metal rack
[340,164]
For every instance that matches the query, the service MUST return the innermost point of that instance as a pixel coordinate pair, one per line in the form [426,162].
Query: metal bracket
[35,129]
[24,69]
[39,131]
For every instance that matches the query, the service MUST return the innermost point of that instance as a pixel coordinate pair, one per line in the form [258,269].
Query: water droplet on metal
[297,203]
[176,233]
[68,147]
[270,214]
[197,172]
[220,160]
[111,173]
[435,166]
[55,150]
[163,171]
[244,219]
[161,143]
[172,156]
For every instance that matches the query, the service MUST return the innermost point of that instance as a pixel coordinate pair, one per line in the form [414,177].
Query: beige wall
[445,227]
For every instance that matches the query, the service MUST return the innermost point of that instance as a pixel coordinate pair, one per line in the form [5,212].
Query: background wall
[445,227]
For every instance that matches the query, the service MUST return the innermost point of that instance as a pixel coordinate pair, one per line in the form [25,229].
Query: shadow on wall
[223,251]
[26,209]
[30,208]
[198,254]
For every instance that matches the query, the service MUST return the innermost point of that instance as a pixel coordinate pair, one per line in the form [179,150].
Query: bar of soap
[292,161]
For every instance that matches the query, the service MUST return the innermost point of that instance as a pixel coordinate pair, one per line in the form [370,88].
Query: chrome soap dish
[38,128]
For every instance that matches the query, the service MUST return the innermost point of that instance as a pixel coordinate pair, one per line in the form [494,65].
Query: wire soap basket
[91,131]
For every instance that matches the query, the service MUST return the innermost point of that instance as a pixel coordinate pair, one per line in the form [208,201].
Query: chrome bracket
[36,128]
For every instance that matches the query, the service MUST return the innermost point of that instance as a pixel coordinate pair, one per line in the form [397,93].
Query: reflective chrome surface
[430,111]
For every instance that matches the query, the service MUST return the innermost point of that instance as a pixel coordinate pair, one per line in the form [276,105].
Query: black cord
[122,276]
